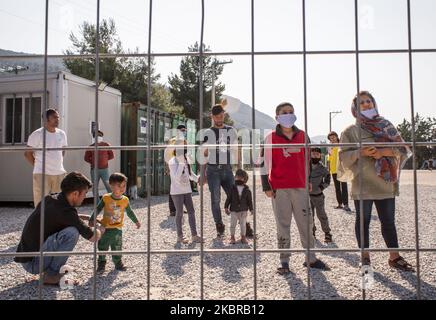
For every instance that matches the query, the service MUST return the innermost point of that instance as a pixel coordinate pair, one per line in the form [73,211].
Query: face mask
[316,160]
[181,135]
[239,182]
[370,113]
[286,120]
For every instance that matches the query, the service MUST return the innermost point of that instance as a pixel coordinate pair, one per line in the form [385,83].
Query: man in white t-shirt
[54,168]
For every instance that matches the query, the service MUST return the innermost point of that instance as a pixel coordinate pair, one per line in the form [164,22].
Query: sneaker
[220,228]
[101,265]
[197,239]
[182,240]
[328,237]
[249,233]
[339,206]
[347,208]
[283,269]
[366,261]
[120,266]
[244,240]
[318,264]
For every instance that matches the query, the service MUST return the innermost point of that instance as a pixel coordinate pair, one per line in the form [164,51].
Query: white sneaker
[197,239]
[182,240]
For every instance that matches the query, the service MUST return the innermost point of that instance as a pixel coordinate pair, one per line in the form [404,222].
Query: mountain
[28,65]
[241,115]
[319,139]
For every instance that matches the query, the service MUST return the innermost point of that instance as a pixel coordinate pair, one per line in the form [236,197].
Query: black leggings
[341,191]
[386,214]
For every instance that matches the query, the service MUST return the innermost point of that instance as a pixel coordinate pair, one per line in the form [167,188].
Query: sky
[331,79]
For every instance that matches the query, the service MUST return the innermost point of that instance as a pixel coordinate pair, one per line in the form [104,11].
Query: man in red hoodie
[103,162]
[284,181]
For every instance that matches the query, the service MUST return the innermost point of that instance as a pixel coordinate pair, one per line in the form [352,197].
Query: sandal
[283,269]
[401,264]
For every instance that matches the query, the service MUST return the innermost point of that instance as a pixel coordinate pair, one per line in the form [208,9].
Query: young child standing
[238,202]
[320,179]
[115,205]
[181,192]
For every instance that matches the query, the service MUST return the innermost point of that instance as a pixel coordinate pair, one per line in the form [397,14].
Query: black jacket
[236,203]
[58,215]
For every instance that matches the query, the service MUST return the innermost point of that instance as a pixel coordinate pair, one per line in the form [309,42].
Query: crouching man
[62,227]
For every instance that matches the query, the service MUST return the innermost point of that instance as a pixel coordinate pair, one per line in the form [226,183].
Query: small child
[238,202]
[320,179]
[115,205]
[181,192]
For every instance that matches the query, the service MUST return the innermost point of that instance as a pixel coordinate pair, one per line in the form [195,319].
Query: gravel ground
[231,276]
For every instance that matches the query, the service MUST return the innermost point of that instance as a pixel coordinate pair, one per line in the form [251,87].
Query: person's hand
[202,180]
[377,154]
[368,151]
[310,187]
[97,235]
[91,223]
[227,211]
[138,225]
[101,228]
[270,194]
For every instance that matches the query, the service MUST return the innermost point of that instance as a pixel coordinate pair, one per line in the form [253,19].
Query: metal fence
[255,251]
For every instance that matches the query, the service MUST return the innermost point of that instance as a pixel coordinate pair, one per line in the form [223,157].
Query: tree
[129,75]
[425,131]
[185,88]
[109,42]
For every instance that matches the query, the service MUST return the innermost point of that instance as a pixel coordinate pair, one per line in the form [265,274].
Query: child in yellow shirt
[115,205]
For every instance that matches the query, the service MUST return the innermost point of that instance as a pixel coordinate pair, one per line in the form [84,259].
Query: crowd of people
[292,178]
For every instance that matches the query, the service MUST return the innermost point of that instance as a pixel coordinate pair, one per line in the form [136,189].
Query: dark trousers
[386,213]
[171,204]
[341,191]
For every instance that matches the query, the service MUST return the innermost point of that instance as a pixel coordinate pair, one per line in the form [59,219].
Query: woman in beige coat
[380,171]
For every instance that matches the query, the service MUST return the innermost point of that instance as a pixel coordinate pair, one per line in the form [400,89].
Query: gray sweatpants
[288,202]
[317,205]
[180,200]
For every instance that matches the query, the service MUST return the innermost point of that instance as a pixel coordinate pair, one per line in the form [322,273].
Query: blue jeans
[102,174]
[218,176]
[64,240]
[386,213]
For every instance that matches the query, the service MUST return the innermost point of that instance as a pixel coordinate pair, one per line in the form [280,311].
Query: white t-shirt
[240,189]
[180,177]
[53,159]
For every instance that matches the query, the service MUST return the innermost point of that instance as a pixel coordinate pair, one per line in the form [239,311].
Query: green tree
[425,131]
[185,87]
[129,75]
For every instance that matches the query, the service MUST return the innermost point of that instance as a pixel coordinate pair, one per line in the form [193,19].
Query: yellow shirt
[333,160]
[114,210]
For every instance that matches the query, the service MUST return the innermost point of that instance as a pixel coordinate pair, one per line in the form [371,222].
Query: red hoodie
[285,166]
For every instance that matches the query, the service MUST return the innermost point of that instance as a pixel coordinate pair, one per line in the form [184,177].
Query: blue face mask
[286,120]
[370,113]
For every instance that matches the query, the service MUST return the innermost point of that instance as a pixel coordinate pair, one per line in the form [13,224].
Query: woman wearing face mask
[380,173]
[103,162]
[283,172]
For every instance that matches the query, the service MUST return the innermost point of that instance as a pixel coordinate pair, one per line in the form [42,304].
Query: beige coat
[373,186]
